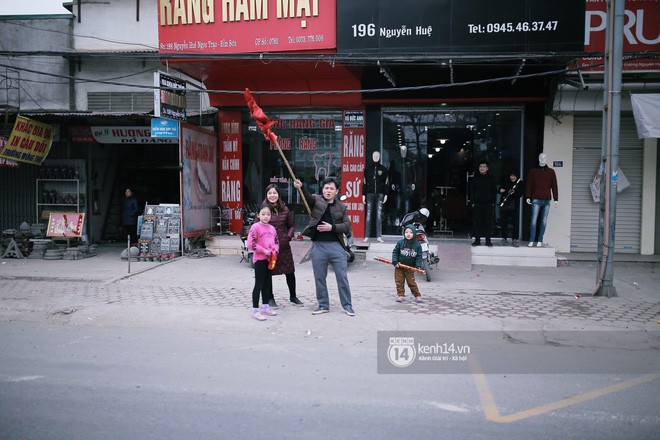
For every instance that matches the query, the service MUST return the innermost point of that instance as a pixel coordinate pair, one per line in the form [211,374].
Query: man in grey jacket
[328,223]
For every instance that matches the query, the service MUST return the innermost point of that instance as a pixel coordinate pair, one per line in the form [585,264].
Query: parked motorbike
[249,216]
[418,219]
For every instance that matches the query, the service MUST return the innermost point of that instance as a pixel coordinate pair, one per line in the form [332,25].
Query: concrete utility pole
[609,170]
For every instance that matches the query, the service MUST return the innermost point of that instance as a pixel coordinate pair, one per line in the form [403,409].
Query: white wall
[32,84]
[112,25]
[558,146]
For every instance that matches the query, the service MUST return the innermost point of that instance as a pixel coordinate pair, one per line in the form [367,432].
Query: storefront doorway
[433,153]
[311,142]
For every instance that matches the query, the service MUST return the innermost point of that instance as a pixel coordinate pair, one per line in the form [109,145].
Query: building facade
[341,82]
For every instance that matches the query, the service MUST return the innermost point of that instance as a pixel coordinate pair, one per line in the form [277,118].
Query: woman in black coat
[282,219]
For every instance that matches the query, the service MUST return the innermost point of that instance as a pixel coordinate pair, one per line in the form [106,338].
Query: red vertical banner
[352,167]
[231,167]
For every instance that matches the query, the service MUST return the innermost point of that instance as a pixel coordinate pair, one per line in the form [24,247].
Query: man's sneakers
[530,244]
[515,243]
[296,301]
[419,299]
[400,299]
[319,310]
[272,304]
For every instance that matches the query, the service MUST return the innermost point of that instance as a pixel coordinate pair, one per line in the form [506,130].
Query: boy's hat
[412,228]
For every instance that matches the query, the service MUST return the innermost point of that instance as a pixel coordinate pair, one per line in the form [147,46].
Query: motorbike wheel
[427,270]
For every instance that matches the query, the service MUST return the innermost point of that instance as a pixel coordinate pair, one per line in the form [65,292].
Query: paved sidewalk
[207,289]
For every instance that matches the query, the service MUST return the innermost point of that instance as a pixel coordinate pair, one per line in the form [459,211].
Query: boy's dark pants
[408,276]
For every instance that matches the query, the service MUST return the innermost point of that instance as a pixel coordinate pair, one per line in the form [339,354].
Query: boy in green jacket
[409,252]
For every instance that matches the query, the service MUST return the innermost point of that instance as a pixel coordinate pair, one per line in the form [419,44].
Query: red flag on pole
[265,124]
[260,117]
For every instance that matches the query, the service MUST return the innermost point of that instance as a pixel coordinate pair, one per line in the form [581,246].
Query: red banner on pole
[352,167]
[231,167]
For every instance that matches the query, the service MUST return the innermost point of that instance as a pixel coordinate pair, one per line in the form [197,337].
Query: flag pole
[265,124]
[293,176]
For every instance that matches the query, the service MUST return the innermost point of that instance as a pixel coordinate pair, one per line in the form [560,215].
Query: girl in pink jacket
[262,239]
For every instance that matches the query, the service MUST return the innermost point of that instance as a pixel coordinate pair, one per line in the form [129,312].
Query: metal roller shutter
[586,158]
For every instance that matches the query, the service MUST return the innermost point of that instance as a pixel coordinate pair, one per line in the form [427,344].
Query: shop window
[311,143]
[433,153]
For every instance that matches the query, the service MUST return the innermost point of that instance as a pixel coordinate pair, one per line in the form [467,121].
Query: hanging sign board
[169,97]
[231,166]
[164,128]
[115,135]
[352,167]
[29,141]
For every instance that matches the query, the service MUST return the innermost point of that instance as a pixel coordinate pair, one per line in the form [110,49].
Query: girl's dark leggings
[263,283]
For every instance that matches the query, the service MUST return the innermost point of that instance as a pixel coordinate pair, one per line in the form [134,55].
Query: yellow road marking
[492,413]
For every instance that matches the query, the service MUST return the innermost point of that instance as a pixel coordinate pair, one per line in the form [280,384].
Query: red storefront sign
[235,26]
[231,167]
[352,167]
[640,34]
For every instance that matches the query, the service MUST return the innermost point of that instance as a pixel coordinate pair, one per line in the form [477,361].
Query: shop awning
[646,108]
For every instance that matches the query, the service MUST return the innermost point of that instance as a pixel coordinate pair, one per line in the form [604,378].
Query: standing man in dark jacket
[511,191]
[375,190]
[129,215]
[328,223]
[483,190]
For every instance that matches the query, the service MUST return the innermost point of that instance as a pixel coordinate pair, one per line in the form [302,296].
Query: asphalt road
[117,382]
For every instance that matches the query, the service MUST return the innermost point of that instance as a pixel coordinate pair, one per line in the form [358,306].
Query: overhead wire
[321,92]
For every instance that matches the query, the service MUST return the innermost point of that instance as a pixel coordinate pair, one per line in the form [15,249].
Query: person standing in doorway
[282,220]
[375,190]
[408,179]
[540,189]
[483,190]
[510,192]
[129,215]
[328,224]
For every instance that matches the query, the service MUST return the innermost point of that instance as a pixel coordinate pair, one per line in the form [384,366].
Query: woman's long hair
[279,205]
